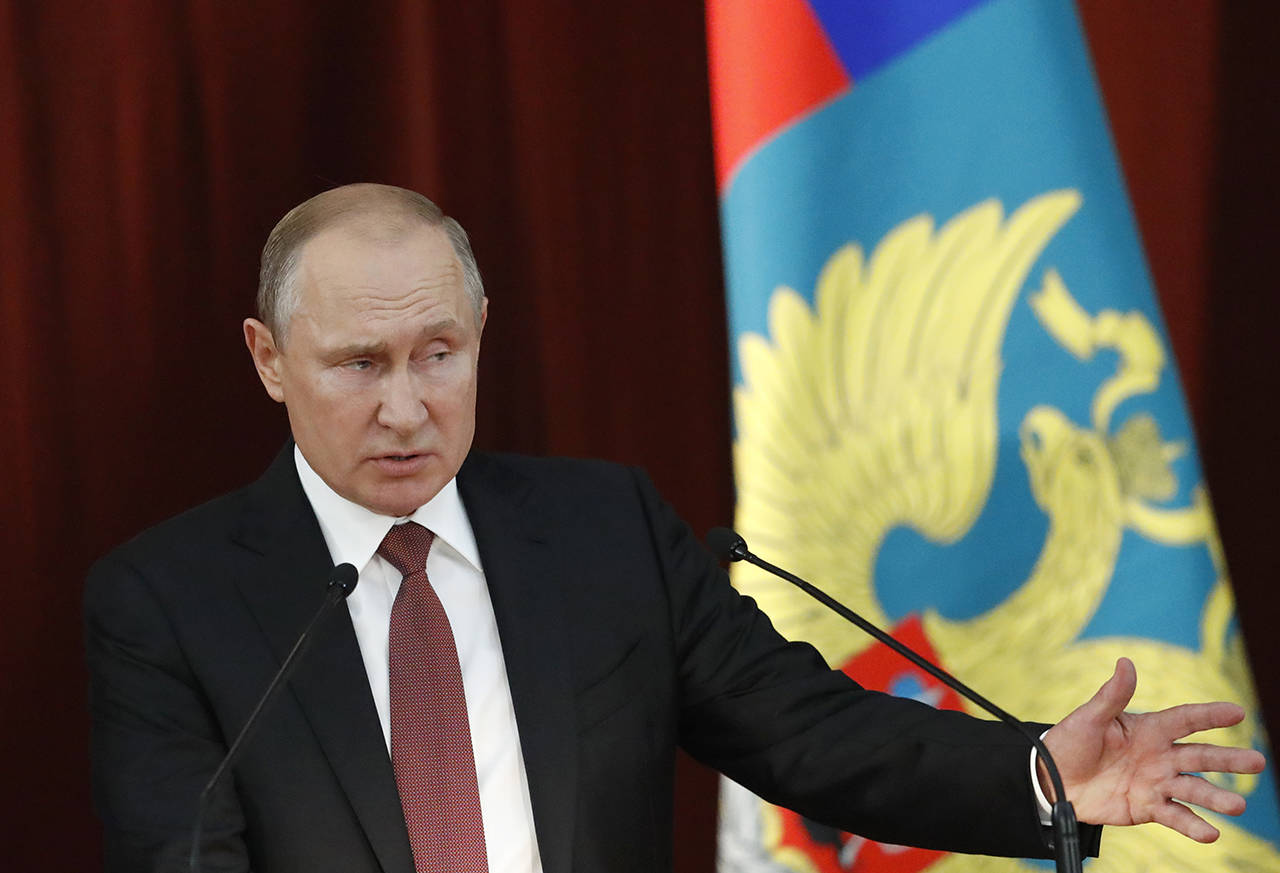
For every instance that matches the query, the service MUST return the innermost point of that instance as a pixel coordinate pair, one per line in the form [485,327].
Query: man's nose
[403,406]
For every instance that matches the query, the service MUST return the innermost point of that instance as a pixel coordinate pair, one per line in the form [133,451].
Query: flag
[954,402]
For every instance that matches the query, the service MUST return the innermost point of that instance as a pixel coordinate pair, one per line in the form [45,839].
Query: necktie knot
[406,547]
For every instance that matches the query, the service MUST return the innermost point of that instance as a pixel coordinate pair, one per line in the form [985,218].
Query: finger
[1184,821]
[1114,695]
[1189,718]
[1203,793]
[1207,758]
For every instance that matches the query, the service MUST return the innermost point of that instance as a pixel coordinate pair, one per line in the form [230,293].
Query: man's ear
[266,357]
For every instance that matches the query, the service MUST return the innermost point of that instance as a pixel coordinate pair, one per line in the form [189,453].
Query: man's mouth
[401,465]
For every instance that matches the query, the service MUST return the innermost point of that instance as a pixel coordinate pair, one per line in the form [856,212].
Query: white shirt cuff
[1042,802]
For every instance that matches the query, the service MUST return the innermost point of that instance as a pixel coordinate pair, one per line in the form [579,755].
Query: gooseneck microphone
[342,581]
[728,546]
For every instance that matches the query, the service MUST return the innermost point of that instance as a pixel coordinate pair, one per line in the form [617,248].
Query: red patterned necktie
[430,735]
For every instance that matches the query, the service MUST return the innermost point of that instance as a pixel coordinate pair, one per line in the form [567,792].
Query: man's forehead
[415,256]
[348,291]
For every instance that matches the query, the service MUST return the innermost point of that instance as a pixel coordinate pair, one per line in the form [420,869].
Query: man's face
[378,372]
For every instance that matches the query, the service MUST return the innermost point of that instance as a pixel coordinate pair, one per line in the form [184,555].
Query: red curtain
[147,146]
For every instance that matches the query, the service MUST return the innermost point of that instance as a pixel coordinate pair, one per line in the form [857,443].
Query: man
[529,640]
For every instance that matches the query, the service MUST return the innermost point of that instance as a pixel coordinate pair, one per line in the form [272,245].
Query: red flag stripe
[770,63]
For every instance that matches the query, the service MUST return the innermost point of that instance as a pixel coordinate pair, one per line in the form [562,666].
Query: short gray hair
[278,293]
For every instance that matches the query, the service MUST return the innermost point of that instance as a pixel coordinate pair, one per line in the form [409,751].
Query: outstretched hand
[1121,768]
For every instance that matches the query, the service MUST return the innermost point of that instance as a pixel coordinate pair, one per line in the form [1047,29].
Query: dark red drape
[147,146]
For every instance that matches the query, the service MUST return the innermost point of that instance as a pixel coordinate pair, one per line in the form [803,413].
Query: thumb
[1115,694]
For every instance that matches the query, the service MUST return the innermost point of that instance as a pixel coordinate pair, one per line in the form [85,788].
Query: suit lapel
[508,522]
[329,683]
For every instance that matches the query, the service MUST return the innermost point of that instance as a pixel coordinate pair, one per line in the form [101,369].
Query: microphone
[342,581]
[729,546]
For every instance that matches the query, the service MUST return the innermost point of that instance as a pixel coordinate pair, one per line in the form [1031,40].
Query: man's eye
[361,364]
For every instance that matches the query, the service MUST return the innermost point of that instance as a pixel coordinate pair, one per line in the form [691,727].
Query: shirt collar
[353,533]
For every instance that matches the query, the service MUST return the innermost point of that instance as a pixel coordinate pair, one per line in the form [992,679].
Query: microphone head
[726,545]
[344,578]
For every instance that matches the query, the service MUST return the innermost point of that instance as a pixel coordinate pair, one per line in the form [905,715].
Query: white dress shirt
[353,535]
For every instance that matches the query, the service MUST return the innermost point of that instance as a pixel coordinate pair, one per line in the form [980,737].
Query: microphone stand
[728,545]
[342,581]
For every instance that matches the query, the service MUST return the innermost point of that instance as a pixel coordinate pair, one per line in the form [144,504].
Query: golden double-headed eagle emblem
[876,407]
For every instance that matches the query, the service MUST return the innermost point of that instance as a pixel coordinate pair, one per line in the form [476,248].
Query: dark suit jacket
[622,640]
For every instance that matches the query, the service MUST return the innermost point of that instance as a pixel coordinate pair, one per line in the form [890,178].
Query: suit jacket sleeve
[771,715]
[155,739]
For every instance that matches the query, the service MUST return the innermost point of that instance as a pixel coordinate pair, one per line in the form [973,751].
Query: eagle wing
[876,407]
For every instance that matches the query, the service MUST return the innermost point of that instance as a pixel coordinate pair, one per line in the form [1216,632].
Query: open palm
[1121,768]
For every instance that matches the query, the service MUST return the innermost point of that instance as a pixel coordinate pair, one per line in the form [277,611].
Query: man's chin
[401,497]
